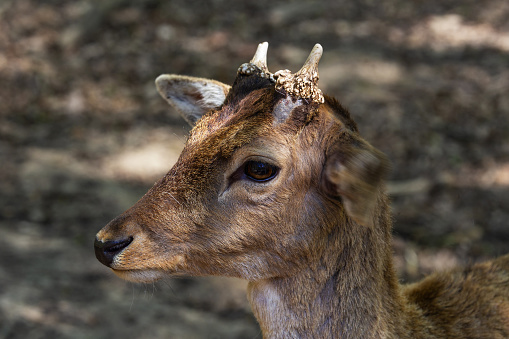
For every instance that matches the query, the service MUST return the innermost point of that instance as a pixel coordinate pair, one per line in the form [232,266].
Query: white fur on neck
[271,311]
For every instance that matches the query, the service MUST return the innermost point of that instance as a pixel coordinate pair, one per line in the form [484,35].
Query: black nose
[106,251]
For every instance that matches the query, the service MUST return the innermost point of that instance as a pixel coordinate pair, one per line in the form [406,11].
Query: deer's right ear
[354,172]
[191,97]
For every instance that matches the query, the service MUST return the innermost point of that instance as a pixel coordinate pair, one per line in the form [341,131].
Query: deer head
[271,168]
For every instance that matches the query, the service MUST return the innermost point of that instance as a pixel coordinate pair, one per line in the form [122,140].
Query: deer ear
[191,97]
[354,172]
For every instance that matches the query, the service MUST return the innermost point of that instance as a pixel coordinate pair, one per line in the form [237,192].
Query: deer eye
[260,171]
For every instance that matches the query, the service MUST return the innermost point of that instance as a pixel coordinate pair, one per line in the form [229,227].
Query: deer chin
[140,276]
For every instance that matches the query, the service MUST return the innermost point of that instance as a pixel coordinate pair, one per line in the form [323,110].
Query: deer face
[268,169]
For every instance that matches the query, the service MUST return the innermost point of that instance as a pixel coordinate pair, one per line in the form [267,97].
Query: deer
[275,185]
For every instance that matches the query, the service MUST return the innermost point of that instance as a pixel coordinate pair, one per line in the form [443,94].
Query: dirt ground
[83,134]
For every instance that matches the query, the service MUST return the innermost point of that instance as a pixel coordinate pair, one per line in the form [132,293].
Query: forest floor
[83,134]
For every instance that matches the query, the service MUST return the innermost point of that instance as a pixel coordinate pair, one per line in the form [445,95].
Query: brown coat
[313,237]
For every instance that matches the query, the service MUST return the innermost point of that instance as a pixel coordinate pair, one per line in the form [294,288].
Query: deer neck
[351,291]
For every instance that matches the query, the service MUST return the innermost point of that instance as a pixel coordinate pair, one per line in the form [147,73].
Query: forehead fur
[234,125]
[246,115]
[216,136]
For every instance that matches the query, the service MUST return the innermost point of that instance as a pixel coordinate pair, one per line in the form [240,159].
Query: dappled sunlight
[27,238]
[417,262]
[492,175]
[51,317]
[348,68]
[143,163]
[443,32]
[498,176]
[146,163]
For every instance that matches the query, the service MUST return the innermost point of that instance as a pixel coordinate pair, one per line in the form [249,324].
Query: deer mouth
[141,271]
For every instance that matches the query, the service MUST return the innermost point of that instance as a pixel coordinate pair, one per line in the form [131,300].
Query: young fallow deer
[275,185]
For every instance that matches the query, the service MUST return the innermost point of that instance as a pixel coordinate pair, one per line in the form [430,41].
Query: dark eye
[260,171]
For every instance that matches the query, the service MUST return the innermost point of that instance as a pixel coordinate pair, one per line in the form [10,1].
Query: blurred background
[83,134]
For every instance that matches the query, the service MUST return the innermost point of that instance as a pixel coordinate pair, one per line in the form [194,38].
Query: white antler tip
[318,48]
[260,57]
[314,56]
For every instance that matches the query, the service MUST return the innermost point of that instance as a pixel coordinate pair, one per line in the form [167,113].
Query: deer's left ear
[191,97]
[354,172]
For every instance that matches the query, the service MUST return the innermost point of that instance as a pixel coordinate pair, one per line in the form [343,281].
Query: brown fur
[314,242]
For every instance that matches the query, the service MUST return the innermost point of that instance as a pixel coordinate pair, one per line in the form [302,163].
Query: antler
[311,65]
[260,57]
[258,63]
[304,83]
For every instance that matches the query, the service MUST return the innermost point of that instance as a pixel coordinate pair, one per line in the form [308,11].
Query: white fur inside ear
[192,97]
[213,96]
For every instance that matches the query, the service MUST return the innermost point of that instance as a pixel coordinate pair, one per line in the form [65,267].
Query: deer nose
[106,251]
